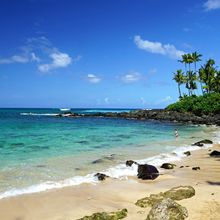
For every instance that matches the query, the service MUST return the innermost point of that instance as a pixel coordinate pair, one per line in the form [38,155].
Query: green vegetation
[208,76]
[206,104]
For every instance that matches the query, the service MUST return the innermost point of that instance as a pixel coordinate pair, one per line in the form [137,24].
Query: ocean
[39,151]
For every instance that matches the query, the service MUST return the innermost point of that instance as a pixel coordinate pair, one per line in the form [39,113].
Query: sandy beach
[112,194]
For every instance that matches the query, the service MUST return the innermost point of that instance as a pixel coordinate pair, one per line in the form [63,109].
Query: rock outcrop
[176,193]
[155,114]
[167,209]
[147,172]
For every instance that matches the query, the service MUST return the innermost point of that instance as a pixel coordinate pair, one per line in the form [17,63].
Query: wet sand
[71,203]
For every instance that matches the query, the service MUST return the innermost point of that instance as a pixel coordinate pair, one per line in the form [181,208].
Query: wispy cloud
[14,59]
[158,48]
[131,77]
[211,5]
[59,60]
[20,58]
[93,78]
[41,45]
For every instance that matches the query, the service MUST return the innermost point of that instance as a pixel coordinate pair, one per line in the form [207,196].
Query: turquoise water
[38,148]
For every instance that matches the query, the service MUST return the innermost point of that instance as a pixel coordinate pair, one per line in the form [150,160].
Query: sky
[101,53]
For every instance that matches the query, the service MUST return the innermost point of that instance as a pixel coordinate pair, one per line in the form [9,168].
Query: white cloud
[131,77]
[157,47]
[59,60]
[14,59]
[211,5]
[93,78]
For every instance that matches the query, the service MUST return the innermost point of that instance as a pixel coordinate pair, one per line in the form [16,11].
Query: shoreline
[118,171]
[73,202]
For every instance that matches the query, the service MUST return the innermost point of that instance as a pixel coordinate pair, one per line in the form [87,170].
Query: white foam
[50,185]
[39,114]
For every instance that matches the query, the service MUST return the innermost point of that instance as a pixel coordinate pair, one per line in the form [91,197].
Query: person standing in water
[176,133]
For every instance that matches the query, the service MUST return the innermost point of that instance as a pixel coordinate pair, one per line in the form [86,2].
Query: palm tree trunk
[179,91]
[201,88]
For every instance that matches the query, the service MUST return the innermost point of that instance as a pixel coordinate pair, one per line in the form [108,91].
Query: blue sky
[100,53]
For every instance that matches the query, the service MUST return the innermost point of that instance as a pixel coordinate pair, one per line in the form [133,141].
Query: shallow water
[39,148]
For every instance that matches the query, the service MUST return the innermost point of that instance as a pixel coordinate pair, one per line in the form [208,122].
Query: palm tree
[184,60]
[201,78]
[217,82]
[191,84]
[196,58]
[209,72]
[180,79]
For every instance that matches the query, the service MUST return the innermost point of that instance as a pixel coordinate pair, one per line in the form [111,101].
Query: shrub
[207,104]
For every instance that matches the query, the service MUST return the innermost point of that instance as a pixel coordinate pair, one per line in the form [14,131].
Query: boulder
[129,163]
[180,192]
[195,168]
[106,216]
[150,201]
[187,153]
[147,172]
[167,209]
[168,166]
[215,153]
[176,193]
[202,142]
[101,176]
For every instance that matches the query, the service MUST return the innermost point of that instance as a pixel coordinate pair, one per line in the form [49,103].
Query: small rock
[196,168]
[101,176]
[187,153]
[215,153]
[168,166]
[147,172]
[167,209]
[98,161]
[181,166]
[129,163]
[202,142]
